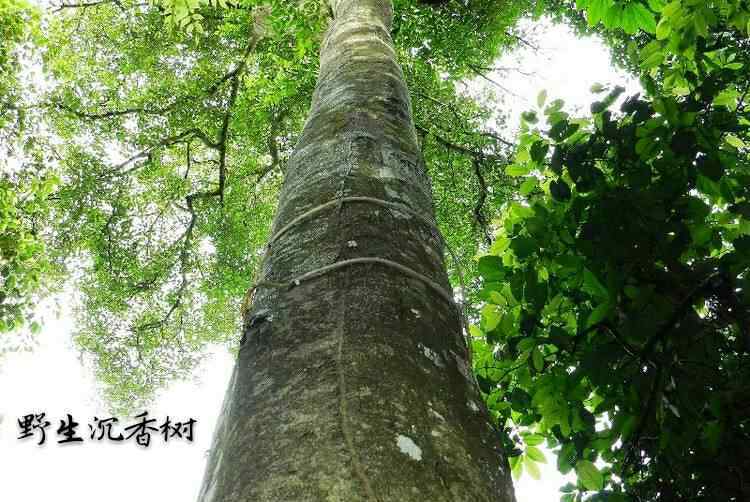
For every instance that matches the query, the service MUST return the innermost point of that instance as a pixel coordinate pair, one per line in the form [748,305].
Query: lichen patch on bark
[409,447]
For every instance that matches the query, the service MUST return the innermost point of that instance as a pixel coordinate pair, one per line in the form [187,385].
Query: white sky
[565,66]
[52,379]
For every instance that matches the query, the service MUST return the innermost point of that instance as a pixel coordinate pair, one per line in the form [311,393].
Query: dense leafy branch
[617,284]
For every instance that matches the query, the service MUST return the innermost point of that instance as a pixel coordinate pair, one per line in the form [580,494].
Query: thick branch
[222,143]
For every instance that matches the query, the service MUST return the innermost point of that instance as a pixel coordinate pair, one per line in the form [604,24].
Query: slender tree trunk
[352,382]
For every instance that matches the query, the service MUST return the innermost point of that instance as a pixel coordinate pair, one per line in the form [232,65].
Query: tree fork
[354,385]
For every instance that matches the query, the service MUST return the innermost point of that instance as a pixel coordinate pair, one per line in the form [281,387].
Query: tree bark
[352,382]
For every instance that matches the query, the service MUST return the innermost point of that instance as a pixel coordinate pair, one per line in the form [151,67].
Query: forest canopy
[602,257]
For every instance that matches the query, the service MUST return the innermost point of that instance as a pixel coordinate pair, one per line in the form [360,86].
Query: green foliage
[630,16]
[176,141]
[18,28]
[23,267]
[616,303]
[616,310]
[25,182]
[455,36]
[177,120]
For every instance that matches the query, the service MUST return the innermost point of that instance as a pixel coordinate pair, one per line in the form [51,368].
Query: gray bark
[352,384]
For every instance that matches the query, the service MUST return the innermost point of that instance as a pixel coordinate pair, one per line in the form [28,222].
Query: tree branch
[222,143]
[84,5]
[480,73]
[678,314]
[478,214]
[169,141]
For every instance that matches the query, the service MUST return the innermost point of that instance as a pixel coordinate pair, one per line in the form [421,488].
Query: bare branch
[82,5]
[516,69]
[497,84]
[169,141]
[523,41]
[183,260]
[116,113]
[453,146]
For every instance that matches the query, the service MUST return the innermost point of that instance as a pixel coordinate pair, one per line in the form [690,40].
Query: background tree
[158,105]
[616,322]
[25,180]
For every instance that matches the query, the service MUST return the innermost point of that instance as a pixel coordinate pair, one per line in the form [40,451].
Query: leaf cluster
[616,306]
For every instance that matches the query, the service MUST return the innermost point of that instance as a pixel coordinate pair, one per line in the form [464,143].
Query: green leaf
[566,458]
[475,332]
[529,117]
[538,151]
[491,268]
[523,247]
[500,245]
[537,359]
[541,98]
[485,384]
[656,5]
[653,58]
[596,11]
[568,488]
[560,190]
[532,439]
[520,399]
[734,141]
[527,344]
[644,18]
[599,314]
[728,98]
[663,29]
[490,317]
[516,467]
[589,475]
[528,186]
[593,286]
[535,454]
[515,170]
[613,18]
[497,298]
[554,107]
[532,468]
[629,19]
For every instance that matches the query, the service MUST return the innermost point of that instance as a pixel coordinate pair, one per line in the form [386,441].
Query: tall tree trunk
[352,382]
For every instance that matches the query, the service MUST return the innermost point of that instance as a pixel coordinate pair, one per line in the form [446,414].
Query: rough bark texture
[353,384]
